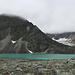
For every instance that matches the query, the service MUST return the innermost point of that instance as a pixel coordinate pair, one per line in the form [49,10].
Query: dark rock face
[28,38]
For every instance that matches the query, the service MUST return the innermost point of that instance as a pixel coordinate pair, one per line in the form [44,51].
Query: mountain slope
[28,38]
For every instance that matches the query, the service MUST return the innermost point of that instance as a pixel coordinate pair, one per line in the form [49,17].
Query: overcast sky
[51,16]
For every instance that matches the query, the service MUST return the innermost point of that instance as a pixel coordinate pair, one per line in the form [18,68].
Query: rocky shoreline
[21,66]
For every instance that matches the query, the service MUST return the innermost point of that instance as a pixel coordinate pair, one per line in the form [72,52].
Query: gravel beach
[20,66]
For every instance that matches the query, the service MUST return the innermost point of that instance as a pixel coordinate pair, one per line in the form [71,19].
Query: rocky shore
[20,66]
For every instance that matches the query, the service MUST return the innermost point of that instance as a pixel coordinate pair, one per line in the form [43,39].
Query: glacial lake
[38,56]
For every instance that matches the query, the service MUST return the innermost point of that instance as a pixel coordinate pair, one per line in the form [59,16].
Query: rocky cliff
[21,36]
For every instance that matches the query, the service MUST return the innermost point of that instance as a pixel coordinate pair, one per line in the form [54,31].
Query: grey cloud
[52,16]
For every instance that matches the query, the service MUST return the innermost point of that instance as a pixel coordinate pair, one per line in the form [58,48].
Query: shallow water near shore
[38,56]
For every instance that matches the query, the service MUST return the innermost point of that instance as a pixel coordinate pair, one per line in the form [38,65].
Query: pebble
[37,67]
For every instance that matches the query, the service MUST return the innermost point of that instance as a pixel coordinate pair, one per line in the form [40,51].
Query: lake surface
[38,56]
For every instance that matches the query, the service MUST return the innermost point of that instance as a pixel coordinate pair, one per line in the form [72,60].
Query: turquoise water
[38,56]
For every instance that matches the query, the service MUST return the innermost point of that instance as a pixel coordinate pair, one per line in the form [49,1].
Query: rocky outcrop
[28,37]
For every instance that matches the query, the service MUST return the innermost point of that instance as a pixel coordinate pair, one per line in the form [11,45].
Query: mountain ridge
[69,36]
[28,38]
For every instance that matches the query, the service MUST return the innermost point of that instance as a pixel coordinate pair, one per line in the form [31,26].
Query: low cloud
[51,16]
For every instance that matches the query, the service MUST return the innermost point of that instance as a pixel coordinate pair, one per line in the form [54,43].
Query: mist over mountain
[21,36]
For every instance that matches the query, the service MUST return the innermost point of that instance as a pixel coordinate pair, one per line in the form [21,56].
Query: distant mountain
[61,35]
[21,36]
[69,36]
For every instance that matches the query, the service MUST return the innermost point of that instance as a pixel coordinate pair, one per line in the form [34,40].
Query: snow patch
[30,51]
[61,39]
[13,41]
[64,41]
